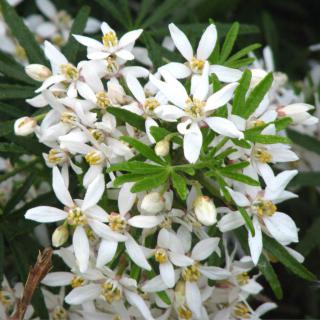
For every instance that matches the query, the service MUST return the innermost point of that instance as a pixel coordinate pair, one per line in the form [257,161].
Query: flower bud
[162,148]
[38,72]
[60,235]
[153,203]
[24,126]
[205,210]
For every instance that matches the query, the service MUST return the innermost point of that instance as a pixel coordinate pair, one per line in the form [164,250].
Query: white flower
[37,72]
[24,126]
[152,203]
[205,210]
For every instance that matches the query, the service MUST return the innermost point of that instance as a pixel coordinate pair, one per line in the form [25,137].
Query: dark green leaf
[179,184]
[129,177]
[240,93]
[128,117]
[267,139]
[11,148]
[305,141]
[150,182]
[13,91]
[136,167]
[11,110]
[239,177]
[247,220]
[242,52]
[311,239]
[235,166]
[229,42]
[241,63]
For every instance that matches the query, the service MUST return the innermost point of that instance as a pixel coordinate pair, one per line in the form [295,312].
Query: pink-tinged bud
[38,72]
[205,210]
[24,126]
[153,203]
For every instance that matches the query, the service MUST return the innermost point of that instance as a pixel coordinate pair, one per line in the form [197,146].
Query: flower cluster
[168,161]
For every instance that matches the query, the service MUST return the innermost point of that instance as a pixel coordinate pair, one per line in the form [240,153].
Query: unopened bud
[38,72]
[205,210]
[60,236]
[162,148]
[24,126]
[153,203]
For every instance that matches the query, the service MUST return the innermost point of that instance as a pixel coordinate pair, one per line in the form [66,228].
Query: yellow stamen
[98,134]
[76,217]
[241,311]
[110,292]
[194,108]
[69,71]
[161,255]
[196,65]
[191,273]
[109,39]
[242,278]
[264,208]
[59,313]
[20,52]
[150,104]
[262,155]
[102,100]
[184,312]
[68,117]
[94,157]
[117,222]
[77,282]
[55,156]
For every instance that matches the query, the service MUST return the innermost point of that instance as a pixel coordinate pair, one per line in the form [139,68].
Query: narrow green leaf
[135,167]
[11,148]
[240,93]
[229,42]
[150,182]
[242,52]
[128,117]
[267,139]
[278,251]
[11,110]
[257,95]
[235,166]
[129,177]
[247,220]
[14,91]
[239,177]
[164,297]
[71,48]
[23,34]
[241,143]
[267,270]
[305,141]
[144,9]
[311,239]
[306,179]
[241,63]
[282,123]
[6,127]
[179,184]
[2,255]
[144,150]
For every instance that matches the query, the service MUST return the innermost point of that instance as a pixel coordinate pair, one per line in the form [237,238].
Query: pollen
[111,292]
[102,100]
[264,208]
[242,278]
[110,39]
[98,134]
[77,282]
[196,65]
[262,155]
[184,312]
[55,156]
[117,223]
[161,255]
[94,158]
[151,103]
[191,273]
[76,217]
[241,311]
[69,71]
[59,313]
[194,107]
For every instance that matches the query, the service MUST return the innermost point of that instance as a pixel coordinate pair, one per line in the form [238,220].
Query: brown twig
[36,274]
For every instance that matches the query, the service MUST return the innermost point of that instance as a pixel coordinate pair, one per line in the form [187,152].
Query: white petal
[169,113]
[282,227]
[181,42]
[226,74]
[201,88]
[129,37]
[255,243]
[135,300]
[145,221]
[224,126]
[82,294]
[53,54]
[192,143]
[221,97]
[135,88]
[239,198]
[179,259]
[126,198]
[47,8]
[193,298]
[167,273]
[264,308]
[136,253]
[252,287]
[148,124]
[204,248]
[57,279]
[89,42]
[106,252]
[81,248]
[103,231]
[178,70]
[94,192]
[45,214]
[154,285]
[60,189]
[207,43]
[230,221]
[124,54]
[214,273]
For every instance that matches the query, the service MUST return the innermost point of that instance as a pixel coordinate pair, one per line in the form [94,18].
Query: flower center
[55,156]
[256,123]
[242,278]
[194,108]
[110,39]
[5,298]
[161,255]
[112,65]
[94,157]
[191,273]
[69,71]
[68,117]
[76,217]
[184,312]
[264,208]
[151,103]
[97,134]
[241,311]
[111,292]
[102,99]
[196,65]
[262,155]
[59,313]
[117,223]
[76,282]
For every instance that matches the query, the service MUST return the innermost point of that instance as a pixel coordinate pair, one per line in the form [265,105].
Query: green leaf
[164,297]
[257,95]
[241,143]
[144,9]
[14,91]
[128,117]
[144,150]
[267,139]
[129,177]
[179,184]
[247,220]
[239,177]
[235,166]
[267,270]
[311,239]
[239,103]
[229,42]
[11,148]
[150,182]
[242,52]
[11,110]
[135,167]
[241,63]
[6,127]
[278,251]
[282,123]
[23,34]
[305,141]
[71,48]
